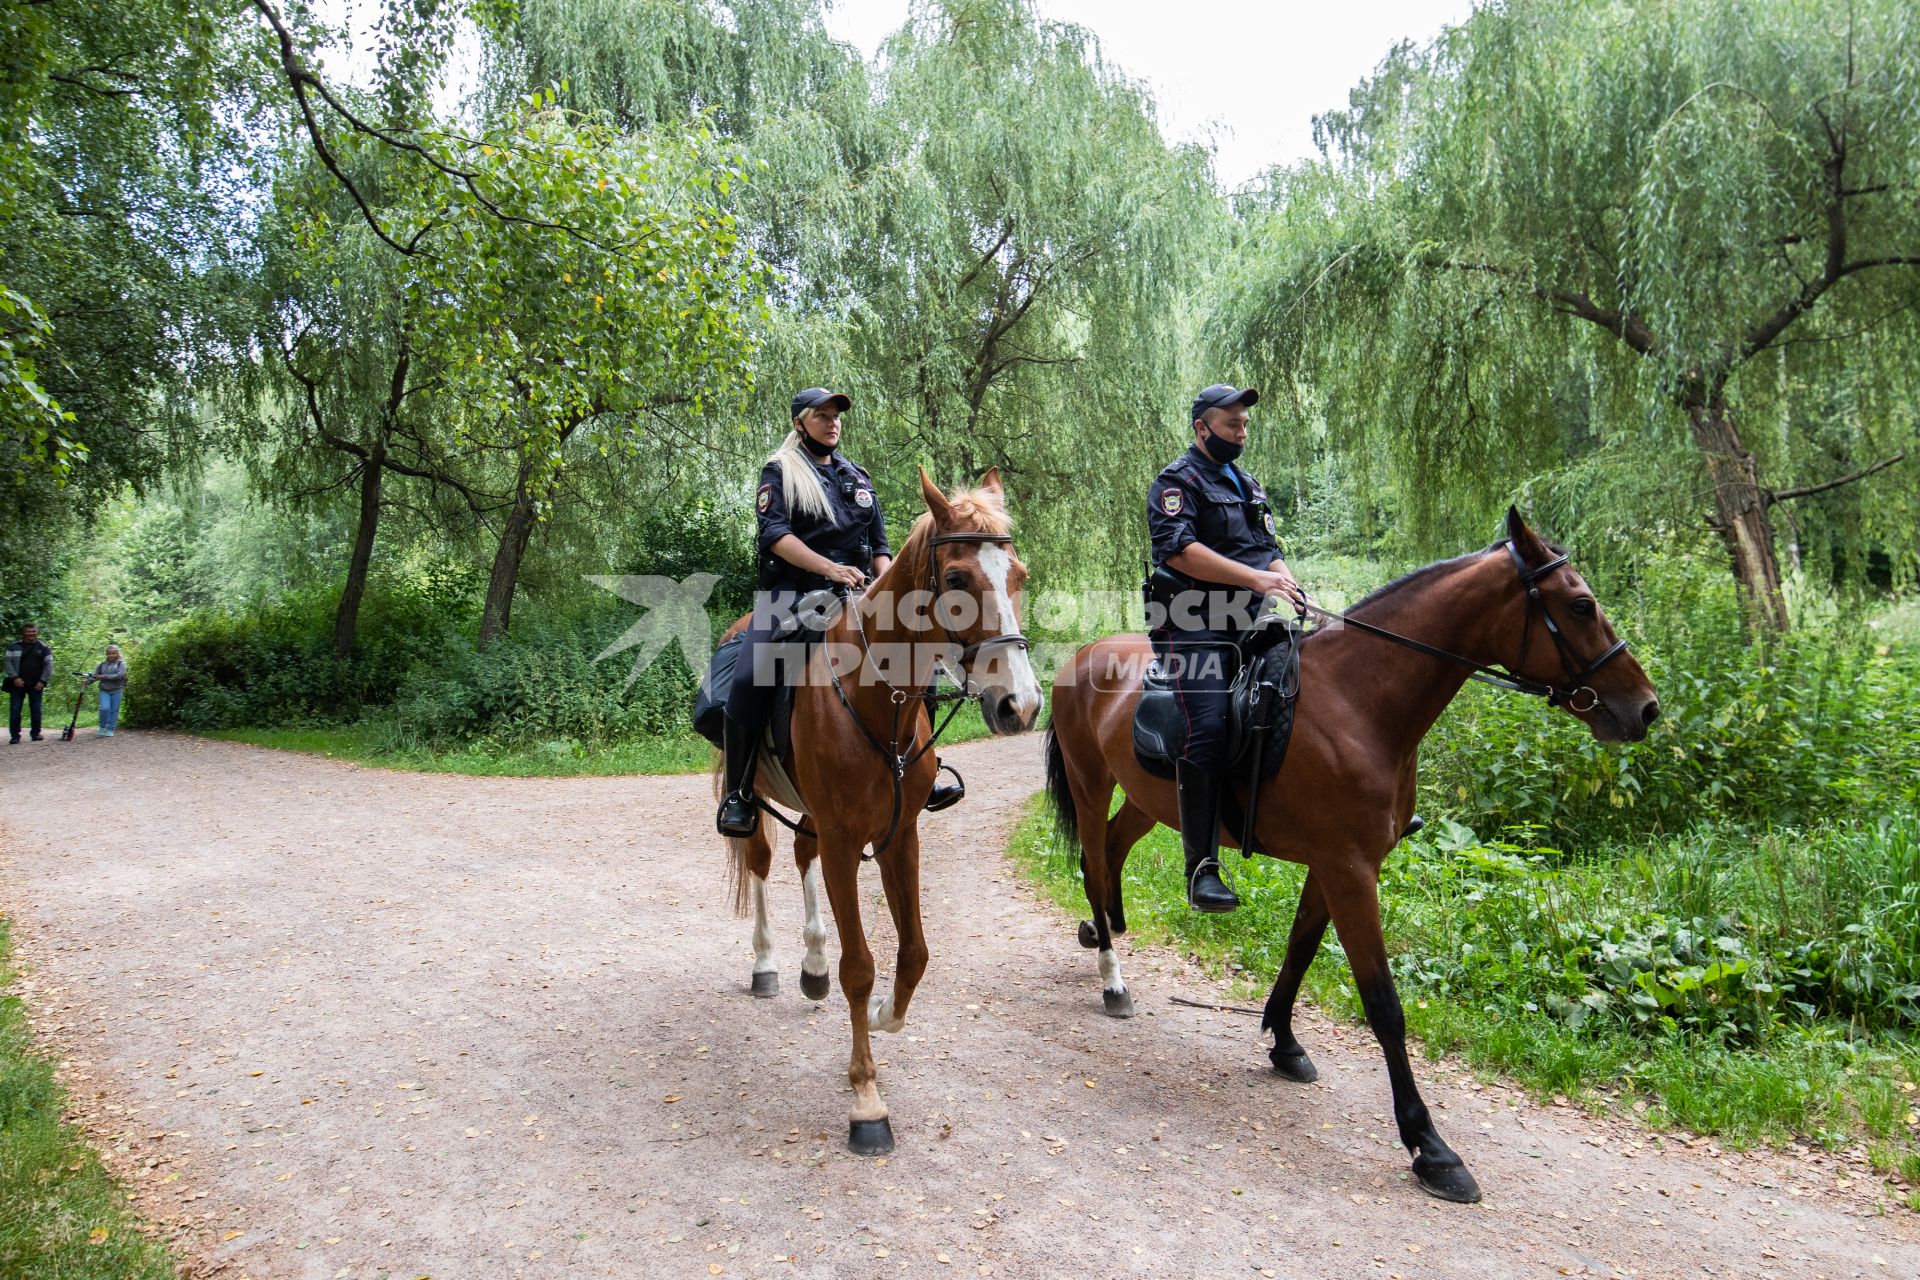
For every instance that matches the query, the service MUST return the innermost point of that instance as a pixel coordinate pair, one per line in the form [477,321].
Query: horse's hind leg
[1091,797]
[1354,899]
[757,861]
[1303,943]
[814,983]
[868,1133]
[1123,832]
[900,873]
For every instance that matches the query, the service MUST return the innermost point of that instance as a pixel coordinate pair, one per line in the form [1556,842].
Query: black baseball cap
[1218,396]
[805,400]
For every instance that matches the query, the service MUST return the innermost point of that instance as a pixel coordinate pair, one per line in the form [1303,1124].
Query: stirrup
[731,824]
[1220,906]
[948,795]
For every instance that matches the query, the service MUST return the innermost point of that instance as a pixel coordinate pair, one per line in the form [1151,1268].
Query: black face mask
[813,446]
[1221,451]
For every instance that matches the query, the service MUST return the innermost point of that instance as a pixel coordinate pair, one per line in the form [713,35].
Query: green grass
[1823,1078]
[565,757]
[62,1217]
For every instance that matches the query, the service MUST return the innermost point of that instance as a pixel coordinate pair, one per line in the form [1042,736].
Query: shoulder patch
[863,497]
[1171,500]
[764,499]
[1269,522]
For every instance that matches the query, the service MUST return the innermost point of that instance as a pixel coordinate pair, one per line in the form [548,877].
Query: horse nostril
[1007,710]
[1650,712]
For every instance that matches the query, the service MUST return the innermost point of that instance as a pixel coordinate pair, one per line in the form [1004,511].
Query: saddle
[1260,711]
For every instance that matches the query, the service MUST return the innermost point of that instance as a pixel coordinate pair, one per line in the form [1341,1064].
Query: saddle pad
[1159,725]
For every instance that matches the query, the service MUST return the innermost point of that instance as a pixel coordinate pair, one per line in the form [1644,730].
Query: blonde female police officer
[1213,532]
[820,526]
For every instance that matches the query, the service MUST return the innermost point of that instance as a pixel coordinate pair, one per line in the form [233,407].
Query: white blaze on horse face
[763,957]
[998,566]
[1110,979]
[814,931]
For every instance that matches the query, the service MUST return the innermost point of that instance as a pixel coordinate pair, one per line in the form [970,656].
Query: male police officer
[1213,531]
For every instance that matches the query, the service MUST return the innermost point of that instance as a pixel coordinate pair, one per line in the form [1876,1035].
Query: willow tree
[1020,264]
[1698,222]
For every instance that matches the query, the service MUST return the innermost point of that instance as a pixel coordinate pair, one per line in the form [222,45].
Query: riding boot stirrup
[1200,835]
[945,795]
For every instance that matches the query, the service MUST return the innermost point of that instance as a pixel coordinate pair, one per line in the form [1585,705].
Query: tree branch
[1784,495]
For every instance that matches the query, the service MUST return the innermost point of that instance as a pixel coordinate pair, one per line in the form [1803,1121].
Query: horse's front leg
[868,1133]
[900,873]
[1352,892]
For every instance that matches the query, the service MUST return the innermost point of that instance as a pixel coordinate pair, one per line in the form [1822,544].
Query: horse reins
[898,762]
[1556,695]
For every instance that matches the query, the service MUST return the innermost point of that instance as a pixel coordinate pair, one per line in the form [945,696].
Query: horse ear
[1523,538]
[991,481]
[936,500]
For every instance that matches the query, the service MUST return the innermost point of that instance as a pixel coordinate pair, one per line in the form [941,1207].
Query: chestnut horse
[1345,793]
[862,762]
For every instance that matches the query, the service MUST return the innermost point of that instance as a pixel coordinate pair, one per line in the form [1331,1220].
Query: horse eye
[1583,607]
[956,580]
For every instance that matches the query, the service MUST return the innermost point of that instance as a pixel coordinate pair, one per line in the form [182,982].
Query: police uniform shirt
[1196,499]
[860,531]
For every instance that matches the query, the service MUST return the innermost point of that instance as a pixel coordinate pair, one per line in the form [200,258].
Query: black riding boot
[1200,834]
[739,816]
[945,795]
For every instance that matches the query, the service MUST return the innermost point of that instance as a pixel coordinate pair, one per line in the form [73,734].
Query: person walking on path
[28,672]
[111,675]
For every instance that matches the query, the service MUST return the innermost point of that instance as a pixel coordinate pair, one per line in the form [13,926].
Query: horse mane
[1429,570]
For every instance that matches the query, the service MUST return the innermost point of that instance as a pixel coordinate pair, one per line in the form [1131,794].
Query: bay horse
[862,762]
[1369,692]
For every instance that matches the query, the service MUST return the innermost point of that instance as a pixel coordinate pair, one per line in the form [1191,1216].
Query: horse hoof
[870,1137]
[766,985]
[1295,1066]
[1088,938]
[1119,1004]
[1446,1181]
[814,986]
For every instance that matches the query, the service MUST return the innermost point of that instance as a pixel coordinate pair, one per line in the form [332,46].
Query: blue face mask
[1221,451]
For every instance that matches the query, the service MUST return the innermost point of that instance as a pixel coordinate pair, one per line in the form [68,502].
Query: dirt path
[347,1023]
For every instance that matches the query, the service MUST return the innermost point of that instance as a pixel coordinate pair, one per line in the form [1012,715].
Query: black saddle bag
[811,617]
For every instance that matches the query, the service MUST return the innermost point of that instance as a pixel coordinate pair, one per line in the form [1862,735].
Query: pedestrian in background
[28,672]
[111,675]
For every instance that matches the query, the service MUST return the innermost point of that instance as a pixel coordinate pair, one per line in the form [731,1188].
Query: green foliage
[1564,227]
[61,1215]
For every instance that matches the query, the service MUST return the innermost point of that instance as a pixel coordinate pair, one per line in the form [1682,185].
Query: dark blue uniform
[1196,499]
[857,534]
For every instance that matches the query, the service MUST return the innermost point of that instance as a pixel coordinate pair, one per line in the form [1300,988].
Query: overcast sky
[1248,74]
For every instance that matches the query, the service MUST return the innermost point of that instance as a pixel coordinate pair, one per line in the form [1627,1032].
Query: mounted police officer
[1214,547]
[820,527]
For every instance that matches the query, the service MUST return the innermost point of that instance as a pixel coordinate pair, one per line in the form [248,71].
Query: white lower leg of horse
[763,957]
[1110,979]
[814,931]
[880,1015]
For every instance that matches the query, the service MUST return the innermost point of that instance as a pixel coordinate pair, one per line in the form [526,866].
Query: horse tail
[739,851]
[1066,820]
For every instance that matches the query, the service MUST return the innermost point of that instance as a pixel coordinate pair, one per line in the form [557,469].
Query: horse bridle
[969,652]
[1565,695]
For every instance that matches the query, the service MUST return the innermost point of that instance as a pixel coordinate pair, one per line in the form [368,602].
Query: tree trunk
[498,609]
[1741,515]
[346,619]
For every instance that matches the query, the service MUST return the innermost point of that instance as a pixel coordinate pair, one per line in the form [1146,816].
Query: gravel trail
[341,1023]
